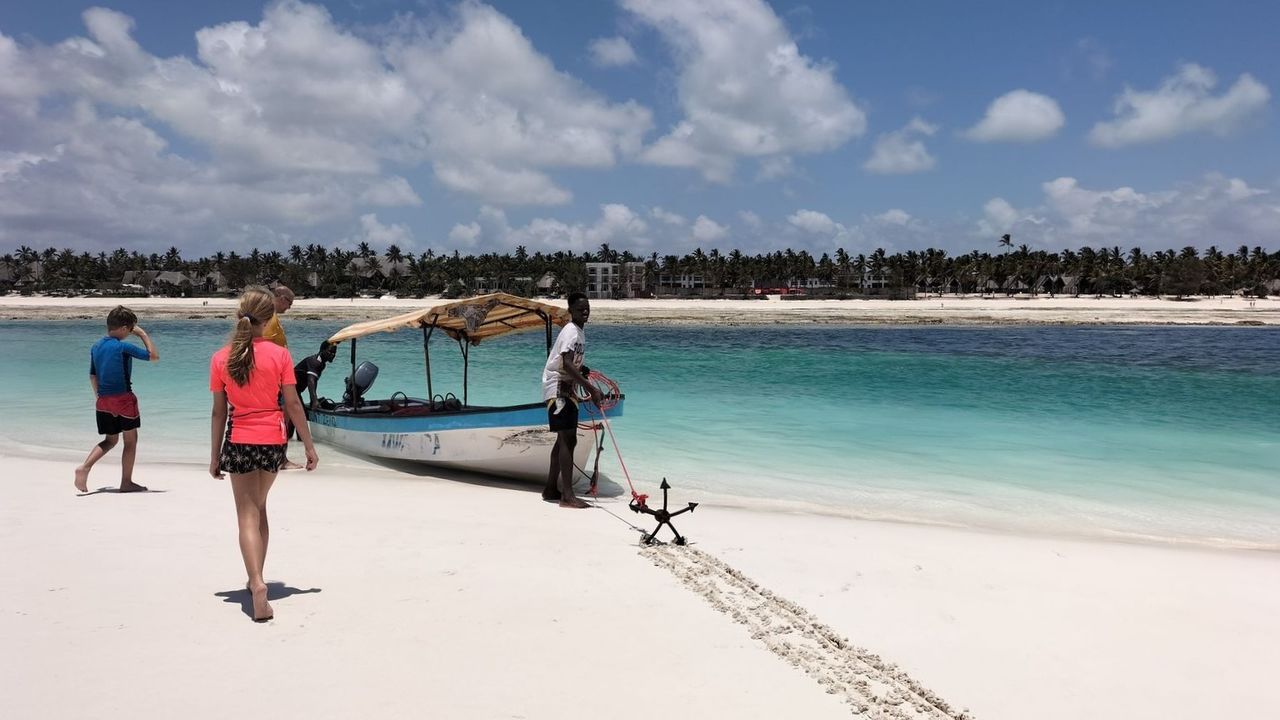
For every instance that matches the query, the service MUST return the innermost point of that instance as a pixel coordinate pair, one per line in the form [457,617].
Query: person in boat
[110,375]
[308,371]
[248,376]
[564,372]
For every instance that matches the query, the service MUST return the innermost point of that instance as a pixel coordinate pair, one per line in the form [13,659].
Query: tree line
[317,270]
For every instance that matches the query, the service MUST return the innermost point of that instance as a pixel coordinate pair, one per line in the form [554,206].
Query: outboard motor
[366,372]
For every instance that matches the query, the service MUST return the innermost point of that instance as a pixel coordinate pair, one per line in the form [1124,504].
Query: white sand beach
[409,596]
[955,310]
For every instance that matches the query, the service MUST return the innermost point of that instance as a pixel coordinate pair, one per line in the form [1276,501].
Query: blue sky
[654,125]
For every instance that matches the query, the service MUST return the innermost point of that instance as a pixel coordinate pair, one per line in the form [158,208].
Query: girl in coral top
[251,373]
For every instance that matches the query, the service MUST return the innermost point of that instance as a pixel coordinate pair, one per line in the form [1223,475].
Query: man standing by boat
[560,376]
[282,296]
[274,331]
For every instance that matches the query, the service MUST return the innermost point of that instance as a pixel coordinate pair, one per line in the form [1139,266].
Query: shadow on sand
[275,591]
[606,488]
[116,491]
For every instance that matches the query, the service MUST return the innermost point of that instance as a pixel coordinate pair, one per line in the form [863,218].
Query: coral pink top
[256,418]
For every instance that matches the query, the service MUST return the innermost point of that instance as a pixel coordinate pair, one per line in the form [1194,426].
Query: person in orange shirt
[249,375]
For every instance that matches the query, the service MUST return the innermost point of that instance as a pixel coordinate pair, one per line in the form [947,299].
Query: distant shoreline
[945,310]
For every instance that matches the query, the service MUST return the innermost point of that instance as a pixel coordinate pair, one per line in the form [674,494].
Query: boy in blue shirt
[110,371]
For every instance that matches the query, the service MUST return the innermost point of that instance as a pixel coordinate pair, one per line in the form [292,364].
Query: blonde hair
[257,307]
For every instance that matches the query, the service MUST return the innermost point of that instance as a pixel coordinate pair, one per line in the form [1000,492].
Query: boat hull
[510,442]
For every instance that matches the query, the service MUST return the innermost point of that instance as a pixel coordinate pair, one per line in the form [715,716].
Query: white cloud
[706,230]
[501,185]
[465,235]
[1019,116]
[902,151]
[18,80]
[744,87]
[495,109]
[612,52]
[1212,210]
[291,121]
[998,216]
[893,230]
[104,182]
[894,216]
[12,163]
[812,221]
[1182,104]
[380,236]
[618,220]
[618,225]
[1216,210]
[1238,189]
[664,216]
[391,192]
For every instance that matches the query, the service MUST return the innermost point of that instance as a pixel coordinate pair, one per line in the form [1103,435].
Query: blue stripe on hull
[513,416]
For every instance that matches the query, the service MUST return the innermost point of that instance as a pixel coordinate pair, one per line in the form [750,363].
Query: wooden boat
[510,441]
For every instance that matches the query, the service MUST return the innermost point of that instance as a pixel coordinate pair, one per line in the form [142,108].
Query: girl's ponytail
[257,307]
[240,359]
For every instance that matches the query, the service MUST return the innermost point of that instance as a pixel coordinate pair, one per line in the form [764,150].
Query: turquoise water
[1156,433]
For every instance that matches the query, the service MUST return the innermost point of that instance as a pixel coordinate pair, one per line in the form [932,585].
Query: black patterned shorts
[566,418]
[241,458]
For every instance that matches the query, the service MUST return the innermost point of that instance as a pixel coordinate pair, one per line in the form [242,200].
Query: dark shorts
[566,419]
[118,413]
[241,458]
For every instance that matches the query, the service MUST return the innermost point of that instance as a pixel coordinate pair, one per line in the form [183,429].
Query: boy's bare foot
[551,497]
[574,502]
[131,486]
[262,611]
[290,465]
[82,479]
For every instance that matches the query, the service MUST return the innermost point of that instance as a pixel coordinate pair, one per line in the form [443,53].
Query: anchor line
[597,443]
[610,390]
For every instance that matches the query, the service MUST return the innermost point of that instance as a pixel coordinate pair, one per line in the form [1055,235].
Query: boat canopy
[472,319]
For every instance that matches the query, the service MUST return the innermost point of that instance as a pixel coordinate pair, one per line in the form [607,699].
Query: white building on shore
[617,280]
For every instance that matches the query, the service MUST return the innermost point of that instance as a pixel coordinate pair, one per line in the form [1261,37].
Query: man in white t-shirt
[563,371]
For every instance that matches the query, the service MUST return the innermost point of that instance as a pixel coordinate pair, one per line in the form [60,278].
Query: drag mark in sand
[872,687]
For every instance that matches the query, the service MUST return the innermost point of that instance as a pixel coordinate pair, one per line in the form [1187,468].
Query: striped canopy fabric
[474,319]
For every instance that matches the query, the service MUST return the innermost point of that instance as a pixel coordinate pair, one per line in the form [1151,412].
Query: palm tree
[172,259]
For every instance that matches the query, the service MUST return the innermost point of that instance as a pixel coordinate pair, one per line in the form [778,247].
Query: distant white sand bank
[952,310]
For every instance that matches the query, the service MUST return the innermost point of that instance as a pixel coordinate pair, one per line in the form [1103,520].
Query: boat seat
[413,407]
[412,411]
[367,408]
[445,403]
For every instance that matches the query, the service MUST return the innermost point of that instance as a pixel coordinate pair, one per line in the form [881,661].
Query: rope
[609,389]
[598,444]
